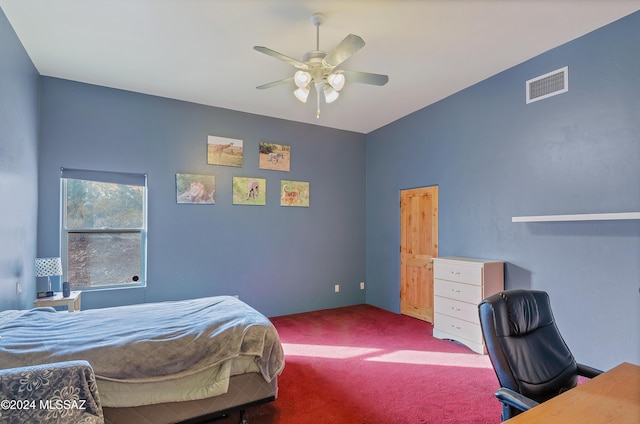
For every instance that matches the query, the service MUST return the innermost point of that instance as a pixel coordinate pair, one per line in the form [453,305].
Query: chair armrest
[587,371]
[60,392]
[515,399]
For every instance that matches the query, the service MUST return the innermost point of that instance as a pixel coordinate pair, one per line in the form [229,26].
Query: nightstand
[72,302]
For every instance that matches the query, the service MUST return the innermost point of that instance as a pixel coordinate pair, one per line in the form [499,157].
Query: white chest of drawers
[460,284]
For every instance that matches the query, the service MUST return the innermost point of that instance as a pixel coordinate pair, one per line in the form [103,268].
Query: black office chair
[529,356]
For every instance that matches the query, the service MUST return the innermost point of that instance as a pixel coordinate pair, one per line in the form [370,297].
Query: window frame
[104,177]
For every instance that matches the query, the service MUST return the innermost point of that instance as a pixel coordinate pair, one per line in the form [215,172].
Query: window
[104,229]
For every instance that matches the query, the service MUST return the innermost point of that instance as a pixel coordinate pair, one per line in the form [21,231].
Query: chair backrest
[526,349]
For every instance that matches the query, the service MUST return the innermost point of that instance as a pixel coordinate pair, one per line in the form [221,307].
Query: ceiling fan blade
[274,83]
[347,47]
[281,57]
[365,77]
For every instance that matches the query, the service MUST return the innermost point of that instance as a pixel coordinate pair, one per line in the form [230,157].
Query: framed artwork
[275,156]
[195,189]
[249,191]
[224,151]
[294,193]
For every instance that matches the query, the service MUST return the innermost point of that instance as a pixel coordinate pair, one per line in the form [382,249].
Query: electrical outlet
[337,288]
[361,285]
[18,287]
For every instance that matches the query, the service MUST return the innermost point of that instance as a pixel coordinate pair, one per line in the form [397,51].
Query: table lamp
[47,267]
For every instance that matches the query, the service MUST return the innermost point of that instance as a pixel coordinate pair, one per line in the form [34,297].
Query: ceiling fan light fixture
[302,79]
[302,94]
[330,94]
[321,68]
[336,81]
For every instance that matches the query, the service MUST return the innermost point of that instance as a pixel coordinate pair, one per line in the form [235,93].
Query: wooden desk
[72,302]
[611,397]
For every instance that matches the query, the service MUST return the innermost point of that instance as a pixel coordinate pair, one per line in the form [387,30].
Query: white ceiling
[201,50]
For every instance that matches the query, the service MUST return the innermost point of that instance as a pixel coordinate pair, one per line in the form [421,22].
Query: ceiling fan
[319,68]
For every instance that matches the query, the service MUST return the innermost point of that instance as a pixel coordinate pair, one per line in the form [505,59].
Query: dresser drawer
[456,309]
[460,273]
[458,291]
[458,328]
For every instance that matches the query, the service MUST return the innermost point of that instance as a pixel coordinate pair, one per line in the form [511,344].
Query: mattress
[204,384]
[244,390]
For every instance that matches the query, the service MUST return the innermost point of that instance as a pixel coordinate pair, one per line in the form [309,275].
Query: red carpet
[362,364]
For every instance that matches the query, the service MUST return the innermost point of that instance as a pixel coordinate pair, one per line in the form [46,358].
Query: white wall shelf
[578,217]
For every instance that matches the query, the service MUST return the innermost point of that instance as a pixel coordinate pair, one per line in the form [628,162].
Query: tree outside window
[103,229]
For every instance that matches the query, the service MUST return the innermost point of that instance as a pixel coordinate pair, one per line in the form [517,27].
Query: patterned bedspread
[147,342]
[61,393]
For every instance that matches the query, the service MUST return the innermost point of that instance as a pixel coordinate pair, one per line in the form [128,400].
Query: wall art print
[195,189]
[294,193]
[249,191]
[276,157]
[224,151]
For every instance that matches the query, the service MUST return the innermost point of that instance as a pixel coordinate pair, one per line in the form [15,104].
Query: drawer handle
[455,272]
[456,290]
[455,309]
[456,327]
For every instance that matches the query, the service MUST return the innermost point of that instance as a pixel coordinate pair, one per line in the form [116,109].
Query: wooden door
[418,246]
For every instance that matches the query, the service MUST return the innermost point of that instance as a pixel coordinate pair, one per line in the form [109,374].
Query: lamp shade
[46,267]
[336,81]
[302,79]
[302,94]
[330,95]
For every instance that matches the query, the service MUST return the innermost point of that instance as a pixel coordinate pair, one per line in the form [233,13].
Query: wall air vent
[548,85]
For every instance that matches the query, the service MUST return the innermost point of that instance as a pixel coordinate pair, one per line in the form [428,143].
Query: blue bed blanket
[143,343]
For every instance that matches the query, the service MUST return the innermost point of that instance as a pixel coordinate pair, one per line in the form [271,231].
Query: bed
[161,362]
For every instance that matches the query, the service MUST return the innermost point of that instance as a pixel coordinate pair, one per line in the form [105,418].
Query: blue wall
[281,260]
[494,157]
[18,172]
